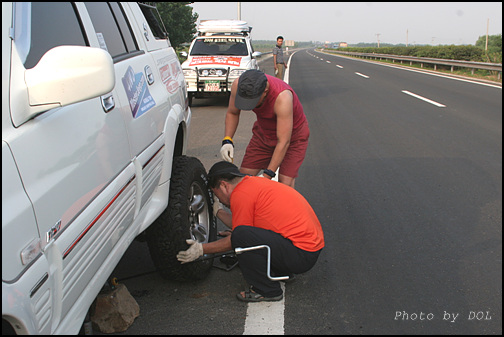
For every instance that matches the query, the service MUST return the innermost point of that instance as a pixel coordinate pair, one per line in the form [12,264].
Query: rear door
[146,86]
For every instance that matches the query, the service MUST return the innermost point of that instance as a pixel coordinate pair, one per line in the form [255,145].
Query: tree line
[475,53]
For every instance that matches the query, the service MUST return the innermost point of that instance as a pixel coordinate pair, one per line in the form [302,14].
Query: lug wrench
[239,250]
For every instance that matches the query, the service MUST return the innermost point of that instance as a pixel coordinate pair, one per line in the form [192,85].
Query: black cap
[222,169]
[251,85]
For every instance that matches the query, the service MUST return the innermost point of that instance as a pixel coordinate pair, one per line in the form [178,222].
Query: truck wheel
[189,215]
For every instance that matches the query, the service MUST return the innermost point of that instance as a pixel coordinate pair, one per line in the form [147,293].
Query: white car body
[220,54]
[89,134]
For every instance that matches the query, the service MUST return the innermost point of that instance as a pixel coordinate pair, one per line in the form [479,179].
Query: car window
[124,27]
[112,29]
[152,16]
[40,26]
[220,46]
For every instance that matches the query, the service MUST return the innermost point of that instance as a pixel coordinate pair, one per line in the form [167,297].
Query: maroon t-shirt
[266,117]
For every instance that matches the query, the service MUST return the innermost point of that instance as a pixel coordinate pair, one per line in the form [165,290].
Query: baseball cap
[251,85]
[221,170]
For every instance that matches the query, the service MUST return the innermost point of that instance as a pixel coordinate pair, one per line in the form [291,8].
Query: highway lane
[409,195]
[410,199]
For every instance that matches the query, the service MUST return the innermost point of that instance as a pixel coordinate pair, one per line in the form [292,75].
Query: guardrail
[424,60]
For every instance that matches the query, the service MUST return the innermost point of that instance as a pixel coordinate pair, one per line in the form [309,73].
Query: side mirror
[256,54]
[183,54]
[67,75]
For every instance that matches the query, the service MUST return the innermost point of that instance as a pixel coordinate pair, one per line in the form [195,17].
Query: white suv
[95,120]
[219,55]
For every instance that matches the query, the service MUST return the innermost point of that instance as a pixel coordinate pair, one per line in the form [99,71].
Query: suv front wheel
[188,216]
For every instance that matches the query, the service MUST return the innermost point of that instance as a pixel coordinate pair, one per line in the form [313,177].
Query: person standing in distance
[278,59]
[280,134]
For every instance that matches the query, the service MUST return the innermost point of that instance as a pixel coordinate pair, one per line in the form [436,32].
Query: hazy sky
[353,22]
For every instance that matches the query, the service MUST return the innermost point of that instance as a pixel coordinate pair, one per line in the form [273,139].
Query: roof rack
[223,26]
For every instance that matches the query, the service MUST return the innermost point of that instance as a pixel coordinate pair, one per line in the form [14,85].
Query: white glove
[195,250]
[227,152]
[216,205]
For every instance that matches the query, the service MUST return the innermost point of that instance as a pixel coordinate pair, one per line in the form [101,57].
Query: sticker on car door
[139,97]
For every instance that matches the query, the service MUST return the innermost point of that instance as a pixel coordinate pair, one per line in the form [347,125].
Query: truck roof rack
[207,27]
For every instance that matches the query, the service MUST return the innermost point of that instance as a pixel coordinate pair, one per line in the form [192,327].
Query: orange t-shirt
[271,205]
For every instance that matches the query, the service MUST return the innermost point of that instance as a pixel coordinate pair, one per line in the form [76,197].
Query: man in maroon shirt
[280,134]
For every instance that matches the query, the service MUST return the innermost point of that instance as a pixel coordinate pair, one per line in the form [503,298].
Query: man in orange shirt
[263,212]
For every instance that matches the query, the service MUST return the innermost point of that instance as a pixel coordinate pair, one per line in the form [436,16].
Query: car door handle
[149,75]
[107,102]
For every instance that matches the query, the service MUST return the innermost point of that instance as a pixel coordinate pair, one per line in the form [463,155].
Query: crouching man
[263,212]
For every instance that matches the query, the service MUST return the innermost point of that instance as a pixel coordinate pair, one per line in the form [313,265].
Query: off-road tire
[167,235]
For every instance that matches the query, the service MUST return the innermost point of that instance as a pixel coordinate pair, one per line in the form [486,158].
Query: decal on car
[170,72]
[139,97]
[224,60]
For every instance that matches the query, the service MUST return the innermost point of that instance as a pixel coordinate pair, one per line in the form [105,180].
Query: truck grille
[212,72]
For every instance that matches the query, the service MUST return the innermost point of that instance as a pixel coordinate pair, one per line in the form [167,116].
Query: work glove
[195,250]
[227,152]
[216,205]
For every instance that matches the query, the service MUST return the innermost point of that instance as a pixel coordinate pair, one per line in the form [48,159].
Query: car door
[147,86]
[74,163]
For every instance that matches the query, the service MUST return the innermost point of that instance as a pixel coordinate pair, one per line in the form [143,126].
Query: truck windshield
[219,46]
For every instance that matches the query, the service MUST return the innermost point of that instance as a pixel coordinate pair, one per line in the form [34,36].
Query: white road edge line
[341,67]
[424,99]
[267,318]
[365,76]
[286,75]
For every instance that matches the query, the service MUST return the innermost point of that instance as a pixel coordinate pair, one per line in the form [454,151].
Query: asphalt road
[409,195]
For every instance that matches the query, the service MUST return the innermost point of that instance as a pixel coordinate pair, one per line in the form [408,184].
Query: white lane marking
[424,99]
[341,67]
[428,73]
[365,76]
[265,318]
[328,61]
[286,75]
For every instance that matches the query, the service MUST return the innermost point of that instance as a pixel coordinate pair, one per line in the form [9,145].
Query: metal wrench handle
[239,250]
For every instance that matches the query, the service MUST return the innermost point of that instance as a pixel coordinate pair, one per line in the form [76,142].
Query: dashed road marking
[424,99]
[365,76]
